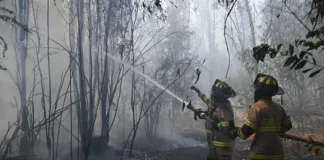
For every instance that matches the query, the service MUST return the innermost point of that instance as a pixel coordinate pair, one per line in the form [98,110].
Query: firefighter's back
[267,143]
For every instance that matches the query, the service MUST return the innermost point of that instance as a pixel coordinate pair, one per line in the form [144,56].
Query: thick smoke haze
[169,46]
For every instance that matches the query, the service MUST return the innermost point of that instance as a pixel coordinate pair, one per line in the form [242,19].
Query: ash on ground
[193,153]
[189,147]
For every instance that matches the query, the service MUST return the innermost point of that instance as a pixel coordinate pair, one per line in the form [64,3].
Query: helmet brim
[232,93]
[280,90]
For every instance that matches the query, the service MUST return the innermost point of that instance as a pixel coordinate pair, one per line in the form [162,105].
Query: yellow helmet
[267,83]
[223,89]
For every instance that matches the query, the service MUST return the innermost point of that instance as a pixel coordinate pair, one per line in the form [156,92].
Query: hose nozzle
[184,104]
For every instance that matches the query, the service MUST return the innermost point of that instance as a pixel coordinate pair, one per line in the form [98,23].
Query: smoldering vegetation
[106,79]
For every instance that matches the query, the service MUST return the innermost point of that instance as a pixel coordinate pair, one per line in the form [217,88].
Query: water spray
[148,78]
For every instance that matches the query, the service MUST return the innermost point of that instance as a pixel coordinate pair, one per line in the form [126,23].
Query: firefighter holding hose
[220,115]
[207,101]
[266,119]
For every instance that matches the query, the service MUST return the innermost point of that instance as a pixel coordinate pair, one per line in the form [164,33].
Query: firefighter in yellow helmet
[266,119]
[220,115]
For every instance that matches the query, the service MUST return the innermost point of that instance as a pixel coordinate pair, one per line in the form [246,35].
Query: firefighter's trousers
[222,153]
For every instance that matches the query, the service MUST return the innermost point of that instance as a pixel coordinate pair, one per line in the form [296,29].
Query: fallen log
[300,139]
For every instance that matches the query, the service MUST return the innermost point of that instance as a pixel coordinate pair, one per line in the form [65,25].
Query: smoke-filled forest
[116,79]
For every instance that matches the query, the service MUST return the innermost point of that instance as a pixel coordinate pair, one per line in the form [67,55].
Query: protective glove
[234,132]
[199,113]
[195,89]
[202,115]
[189,105]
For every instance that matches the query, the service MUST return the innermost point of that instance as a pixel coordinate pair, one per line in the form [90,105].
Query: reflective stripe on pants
[254,156]
[223,144]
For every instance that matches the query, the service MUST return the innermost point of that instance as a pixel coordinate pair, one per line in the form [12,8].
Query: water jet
[147,77]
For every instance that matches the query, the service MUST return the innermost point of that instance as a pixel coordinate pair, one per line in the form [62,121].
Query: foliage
[226,2]
[198,72]
[313,41]
[151,5]
[8,16]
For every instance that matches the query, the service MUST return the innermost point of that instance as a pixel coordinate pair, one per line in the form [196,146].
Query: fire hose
[199,112]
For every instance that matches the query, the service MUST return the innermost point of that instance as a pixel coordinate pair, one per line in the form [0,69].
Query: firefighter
[220,115]
[208,127]
[206,100]
[267,120]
